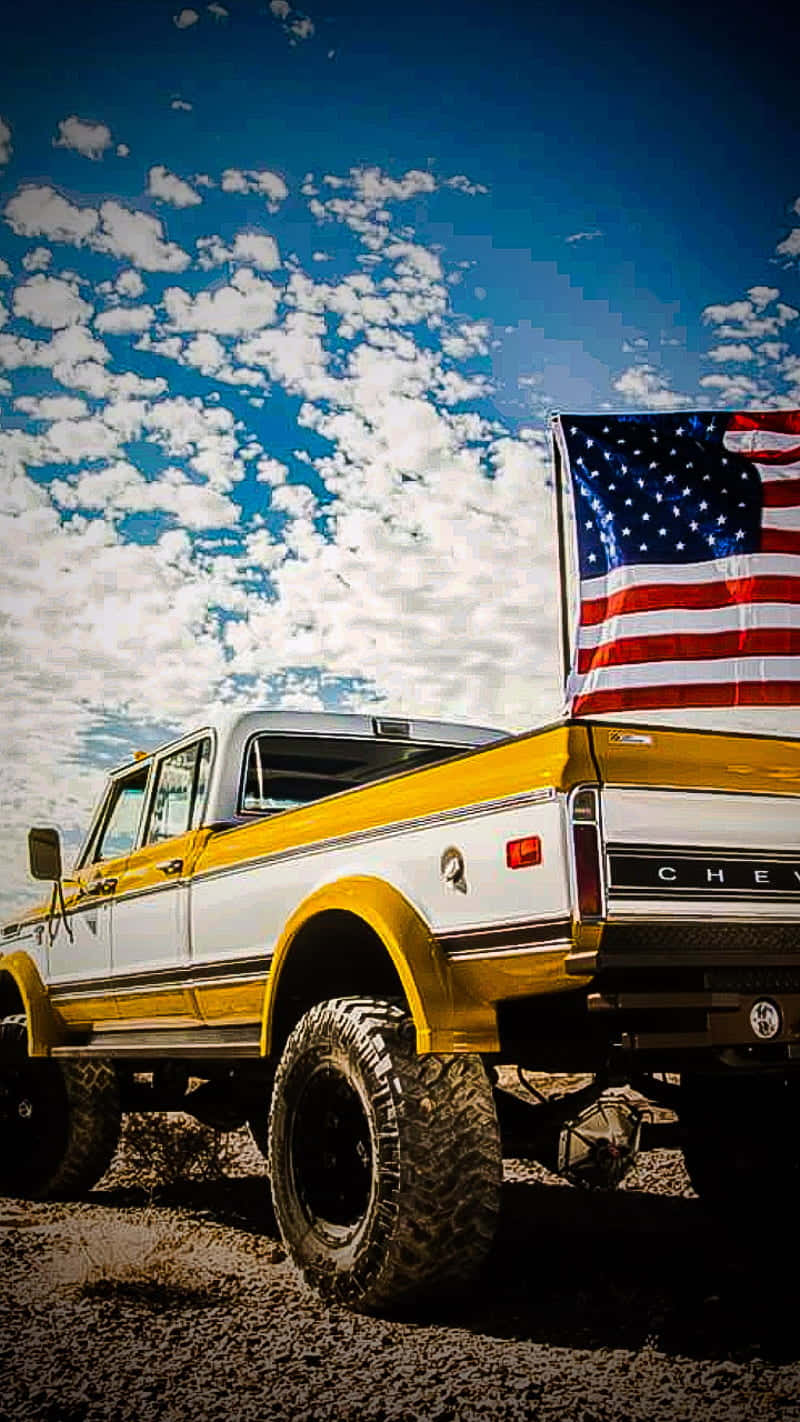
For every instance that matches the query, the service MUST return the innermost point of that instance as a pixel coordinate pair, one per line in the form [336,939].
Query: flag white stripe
[733,669]
[717,570]
[692,621]
[744,441]
[781,518]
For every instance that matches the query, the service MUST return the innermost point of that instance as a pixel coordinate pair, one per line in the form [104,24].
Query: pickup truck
[344,930]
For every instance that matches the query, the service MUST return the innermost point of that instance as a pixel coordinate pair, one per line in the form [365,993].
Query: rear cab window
[285,772]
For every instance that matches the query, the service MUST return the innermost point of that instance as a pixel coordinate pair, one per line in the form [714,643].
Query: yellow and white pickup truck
[338,927]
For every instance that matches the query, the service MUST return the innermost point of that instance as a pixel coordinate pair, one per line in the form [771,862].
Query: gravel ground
[177,1302]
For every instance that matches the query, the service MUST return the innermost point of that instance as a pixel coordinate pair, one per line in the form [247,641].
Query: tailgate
[699,824]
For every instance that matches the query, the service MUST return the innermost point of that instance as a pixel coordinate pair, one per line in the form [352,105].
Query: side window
[118,834]
[179,793]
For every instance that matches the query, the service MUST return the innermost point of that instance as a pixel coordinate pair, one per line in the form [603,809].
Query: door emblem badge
[765,1019]
[452,869]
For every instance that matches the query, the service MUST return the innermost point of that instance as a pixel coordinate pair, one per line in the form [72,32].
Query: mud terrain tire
[385,1166]
[59,1120]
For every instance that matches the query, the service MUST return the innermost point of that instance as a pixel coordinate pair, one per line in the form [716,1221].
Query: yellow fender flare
[45,1027]
[446,1020]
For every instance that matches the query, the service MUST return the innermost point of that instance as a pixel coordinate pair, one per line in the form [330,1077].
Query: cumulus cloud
[120,231]
[589,236]
[48,301]
[245,305]
[121,320]
[252,180]
[129,283]
[42,212]
[37,259]
[5,142]
[295,25]
[122,150]
[181,105]
[166,187]
[254,249]
[138,238]
[649,388]
[89,139]
[185,19]
[218,11]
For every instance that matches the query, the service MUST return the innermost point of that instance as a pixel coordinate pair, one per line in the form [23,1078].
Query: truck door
[150,936]
[80,951]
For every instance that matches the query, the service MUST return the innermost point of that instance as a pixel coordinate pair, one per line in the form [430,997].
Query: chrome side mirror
[44,853]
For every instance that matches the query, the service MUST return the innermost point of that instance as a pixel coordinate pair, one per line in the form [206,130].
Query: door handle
[101,886]
[171,866]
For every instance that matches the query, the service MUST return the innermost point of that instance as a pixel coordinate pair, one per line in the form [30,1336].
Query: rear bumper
[695,986]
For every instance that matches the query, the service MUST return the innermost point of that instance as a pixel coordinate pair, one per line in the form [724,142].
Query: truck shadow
[586,1270]
[628,1270]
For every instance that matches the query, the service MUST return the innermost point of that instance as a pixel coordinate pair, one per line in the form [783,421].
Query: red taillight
[587,870]
[520,853]
[586,845]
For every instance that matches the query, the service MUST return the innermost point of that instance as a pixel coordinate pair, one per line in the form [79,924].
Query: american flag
[688,541]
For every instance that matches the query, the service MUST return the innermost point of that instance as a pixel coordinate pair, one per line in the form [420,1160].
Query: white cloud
[123,151]
[121,320]
[166,187]
[5,270]
[42,212]
[181,105]
[48,301]
[5,142]
[762,296]
[252,180]
[462,184]
[120,231]
[52,407]
[129,283]
[138,238]
[589,236]
[649,388]
[218,11]
[255,249]
[790,246]
[185,19]
[89,139]
[244,306]
[281,9]
[37,259]
[736,389]
[733,351]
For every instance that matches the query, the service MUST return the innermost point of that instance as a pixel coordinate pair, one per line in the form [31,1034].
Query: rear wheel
[385,1166]
[59,1120]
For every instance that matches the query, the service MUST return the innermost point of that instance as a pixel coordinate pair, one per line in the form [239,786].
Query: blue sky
[285,297]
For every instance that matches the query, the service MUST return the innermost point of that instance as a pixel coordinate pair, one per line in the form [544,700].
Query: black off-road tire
[741,1151]
[59,1120]
[385,1166]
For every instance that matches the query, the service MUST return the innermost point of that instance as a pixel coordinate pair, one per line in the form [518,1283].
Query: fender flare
[445,1019]
[45,1028]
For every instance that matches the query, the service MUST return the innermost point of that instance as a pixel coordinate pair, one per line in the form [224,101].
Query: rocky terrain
[167,1295]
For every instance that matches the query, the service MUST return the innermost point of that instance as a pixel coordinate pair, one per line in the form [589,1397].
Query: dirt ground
[176,1301]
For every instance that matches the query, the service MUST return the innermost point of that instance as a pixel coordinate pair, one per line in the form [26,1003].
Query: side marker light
[522,853]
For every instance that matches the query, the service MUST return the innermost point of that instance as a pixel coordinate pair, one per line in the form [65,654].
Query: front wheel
[385,1166]
[59,1120]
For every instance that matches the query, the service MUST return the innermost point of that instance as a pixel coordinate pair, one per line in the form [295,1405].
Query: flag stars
[739,535]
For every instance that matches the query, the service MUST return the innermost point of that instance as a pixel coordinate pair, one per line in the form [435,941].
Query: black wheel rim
[332,1157]
[33,1125]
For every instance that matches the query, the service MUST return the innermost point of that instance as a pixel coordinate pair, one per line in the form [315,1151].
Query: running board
[196,1043]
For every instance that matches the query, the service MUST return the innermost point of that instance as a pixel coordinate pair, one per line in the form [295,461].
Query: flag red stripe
[781,493]
[780,421]
[691,646]
[772,456]
[780,540]
[659,597]
[653,698]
